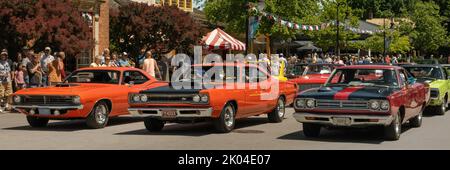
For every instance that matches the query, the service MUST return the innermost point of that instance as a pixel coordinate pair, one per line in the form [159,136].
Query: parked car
[94,94]
[296,70]
[363,96]
[314,75]
[439,81]
[222,105]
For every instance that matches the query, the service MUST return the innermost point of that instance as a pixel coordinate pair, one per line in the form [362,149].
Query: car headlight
[144,98]
[76,100]
[196,98]
[136,98]
[385,105]
[374,105]
[17,99]
[300,103]
[205,98]
[311,103]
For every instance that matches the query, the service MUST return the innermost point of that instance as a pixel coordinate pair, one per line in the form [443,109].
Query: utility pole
[384,35]
[338,50]
[247,27]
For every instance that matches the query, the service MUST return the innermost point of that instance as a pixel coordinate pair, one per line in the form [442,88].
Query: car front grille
[47,100]
[434,93]
[303,87]
[342,104]
[170,98]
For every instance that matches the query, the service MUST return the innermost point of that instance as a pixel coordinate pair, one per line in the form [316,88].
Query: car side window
[135,76]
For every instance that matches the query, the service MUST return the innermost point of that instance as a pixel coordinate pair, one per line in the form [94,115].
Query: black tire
[154,125]
[394,130]
[99,116]
[311,130]
[37,121]
[277,115]
[440,110]
[227,120]
[417,121]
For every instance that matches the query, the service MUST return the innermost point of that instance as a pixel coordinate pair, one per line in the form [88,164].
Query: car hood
[65,89]
[433,83]
[348,93]
[312,79]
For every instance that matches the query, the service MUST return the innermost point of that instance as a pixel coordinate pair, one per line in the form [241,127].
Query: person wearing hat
[46,59]
[97,62]
[124,61]
[5,78]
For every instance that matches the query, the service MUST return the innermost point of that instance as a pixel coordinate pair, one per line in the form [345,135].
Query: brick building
[96,13]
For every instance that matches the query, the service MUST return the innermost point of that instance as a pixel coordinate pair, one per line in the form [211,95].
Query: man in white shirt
[46,58]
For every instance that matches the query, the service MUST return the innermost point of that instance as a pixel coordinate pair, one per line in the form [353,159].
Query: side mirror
[412,80]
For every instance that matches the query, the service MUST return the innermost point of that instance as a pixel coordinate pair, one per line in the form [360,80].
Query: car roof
[110,69]
[381,67]
[422,65]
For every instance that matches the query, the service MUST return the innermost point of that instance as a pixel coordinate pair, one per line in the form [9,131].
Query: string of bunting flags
[297,26]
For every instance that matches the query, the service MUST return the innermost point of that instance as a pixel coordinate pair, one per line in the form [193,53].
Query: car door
[252,91]
[409,92]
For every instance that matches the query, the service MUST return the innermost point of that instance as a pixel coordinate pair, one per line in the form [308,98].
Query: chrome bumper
[345,120]
[47,107]
[181,112]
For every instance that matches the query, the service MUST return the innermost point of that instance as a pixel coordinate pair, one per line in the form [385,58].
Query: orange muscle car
[94,94]
[237,93]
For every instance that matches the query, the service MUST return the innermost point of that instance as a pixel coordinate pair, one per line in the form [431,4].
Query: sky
[199,4]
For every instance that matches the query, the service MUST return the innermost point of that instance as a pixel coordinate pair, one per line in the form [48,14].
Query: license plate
[169,113]
[44,111]
[342,121]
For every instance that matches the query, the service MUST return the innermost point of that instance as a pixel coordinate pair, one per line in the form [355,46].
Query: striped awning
[219,39]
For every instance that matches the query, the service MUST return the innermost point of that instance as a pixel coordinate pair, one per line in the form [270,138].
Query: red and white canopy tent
[220,40]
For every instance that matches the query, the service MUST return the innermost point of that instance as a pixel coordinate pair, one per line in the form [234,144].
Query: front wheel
[99,116]
[37,121]
[393,131]
[417,121]
[277,115]
[440,110]
[153,125]
[226,122]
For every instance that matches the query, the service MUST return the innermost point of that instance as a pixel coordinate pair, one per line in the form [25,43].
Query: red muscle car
[362,96]
[94,94]
[314,75]
[222,104]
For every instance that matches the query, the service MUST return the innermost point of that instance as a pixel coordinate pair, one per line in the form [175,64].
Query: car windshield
[229,74]
[425,72]
[94,76]
[318,69]
[363,77]
[296,70]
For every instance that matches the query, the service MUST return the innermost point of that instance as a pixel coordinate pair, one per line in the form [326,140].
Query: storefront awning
[219,39]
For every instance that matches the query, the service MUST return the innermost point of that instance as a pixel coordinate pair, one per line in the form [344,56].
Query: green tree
[428,33]
[234,13]
[138,26]
[326,38]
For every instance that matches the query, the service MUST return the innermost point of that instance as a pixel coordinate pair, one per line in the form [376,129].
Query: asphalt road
[252,133]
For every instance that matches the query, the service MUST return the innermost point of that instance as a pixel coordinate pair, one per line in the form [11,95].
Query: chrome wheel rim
[443,108]
[397,125]
[100,114]
[281,108]
[229,116]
